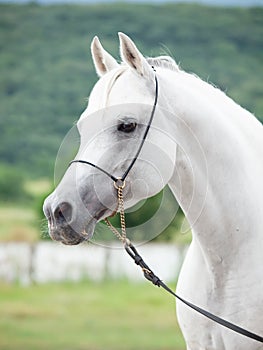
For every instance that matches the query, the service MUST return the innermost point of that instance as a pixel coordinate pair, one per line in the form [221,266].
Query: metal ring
[119,183]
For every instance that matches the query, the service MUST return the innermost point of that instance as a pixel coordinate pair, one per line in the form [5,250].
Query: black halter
[123,177]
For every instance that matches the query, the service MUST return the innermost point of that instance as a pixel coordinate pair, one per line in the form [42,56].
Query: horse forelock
[109,81]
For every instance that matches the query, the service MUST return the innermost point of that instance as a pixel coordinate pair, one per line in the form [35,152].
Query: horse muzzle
[63,224]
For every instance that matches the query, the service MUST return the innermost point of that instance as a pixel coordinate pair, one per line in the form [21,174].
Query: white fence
[51,262]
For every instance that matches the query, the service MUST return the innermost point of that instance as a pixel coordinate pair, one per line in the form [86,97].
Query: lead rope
[119,184]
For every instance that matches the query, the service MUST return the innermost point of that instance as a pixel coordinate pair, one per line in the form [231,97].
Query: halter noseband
[123,177]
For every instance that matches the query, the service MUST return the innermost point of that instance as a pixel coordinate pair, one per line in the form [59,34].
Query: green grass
[109,315]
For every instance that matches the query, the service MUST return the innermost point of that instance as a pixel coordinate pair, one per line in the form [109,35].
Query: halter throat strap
[123,177]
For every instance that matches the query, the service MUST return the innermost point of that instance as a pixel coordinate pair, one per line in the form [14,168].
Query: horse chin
[75,241]
[68,236]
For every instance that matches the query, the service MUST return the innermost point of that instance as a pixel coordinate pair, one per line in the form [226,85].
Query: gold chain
[119,185]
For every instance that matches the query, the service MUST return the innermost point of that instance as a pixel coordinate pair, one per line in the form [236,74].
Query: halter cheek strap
[146,130]
[123,177]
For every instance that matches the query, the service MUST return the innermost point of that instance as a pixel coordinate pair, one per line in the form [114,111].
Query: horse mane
[163,62]
[166,62]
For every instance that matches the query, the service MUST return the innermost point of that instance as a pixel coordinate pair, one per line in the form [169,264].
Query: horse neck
[217,179]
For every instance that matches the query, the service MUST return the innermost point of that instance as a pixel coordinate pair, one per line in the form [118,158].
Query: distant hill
[47,73]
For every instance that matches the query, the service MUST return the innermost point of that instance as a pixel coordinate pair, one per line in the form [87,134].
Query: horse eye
[127,126]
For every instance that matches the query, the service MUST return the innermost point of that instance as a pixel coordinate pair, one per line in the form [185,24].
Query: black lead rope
[150,276]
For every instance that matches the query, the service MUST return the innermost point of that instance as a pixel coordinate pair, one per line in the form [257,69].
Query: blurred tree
[47,71]
[11,184]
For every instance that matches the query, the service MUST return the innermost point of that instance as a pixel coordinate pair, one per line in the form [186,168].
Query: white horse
[209,151]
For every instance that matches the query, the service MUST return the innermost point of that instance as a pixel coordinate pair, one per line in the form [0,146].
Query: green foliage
[11,184]
[21,214]
[47,73]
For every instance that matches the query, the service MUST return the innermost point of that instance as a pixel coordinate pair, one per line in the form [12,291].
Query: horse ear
[103,61]
[132,56]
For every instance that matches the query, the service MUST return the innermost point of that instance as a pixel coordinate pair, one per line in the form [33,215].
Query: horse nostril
[63,213]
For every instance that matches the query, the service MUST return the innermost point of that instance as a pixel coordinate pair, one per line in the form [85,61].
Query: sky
[244,3]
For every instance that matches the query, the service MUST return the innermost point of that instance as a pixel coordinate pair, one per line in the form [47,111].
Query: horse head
[111,129]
